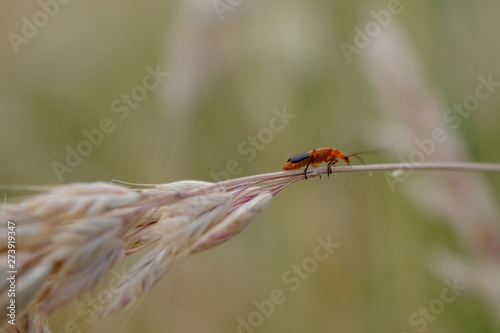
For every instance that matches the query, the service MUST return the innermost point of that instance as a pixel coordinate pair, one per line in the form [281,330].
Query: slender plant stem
[318,171]
[436,166]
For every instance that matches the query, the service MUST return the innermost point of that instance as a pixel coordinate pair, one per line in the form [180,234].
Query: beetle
[318,156]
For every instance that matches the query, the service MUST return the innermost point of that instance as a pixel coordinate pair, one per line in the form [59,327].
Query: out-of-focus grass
[262,56]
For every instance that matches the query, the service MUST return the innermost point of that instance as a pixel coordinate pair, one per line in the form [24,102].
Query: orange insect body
[317,156]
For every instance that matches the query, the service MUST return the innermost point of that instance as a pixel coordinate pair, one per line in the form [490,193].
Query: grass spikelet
[69,237]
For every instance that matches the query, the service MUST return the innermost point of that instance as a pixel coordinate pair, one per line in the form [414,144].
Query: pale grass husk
[68,238]
[464,201]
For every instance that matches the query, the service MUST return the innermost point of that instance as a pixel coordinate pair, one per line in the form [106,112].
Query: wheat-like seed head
[68,238]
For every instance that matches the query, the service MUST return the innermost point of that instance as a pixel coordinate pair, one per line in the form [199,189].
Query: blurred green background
[225,78]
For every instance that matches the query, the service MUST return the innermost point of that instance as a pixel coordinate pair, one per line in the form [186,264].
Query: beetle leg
[329,166]
[307,166]
[313,154]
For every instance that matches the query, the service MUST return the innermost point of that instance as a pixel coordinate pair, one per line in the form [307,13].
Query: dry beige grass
[69,237]
[465,202]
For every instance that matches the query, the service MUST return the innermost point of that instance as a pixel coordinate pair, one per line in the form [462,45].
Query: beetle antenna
[359,158]
[374,151]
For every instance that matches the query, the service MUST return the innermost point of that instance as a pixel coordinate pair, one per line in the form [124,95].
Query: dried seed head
[69,237]
[234,223]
